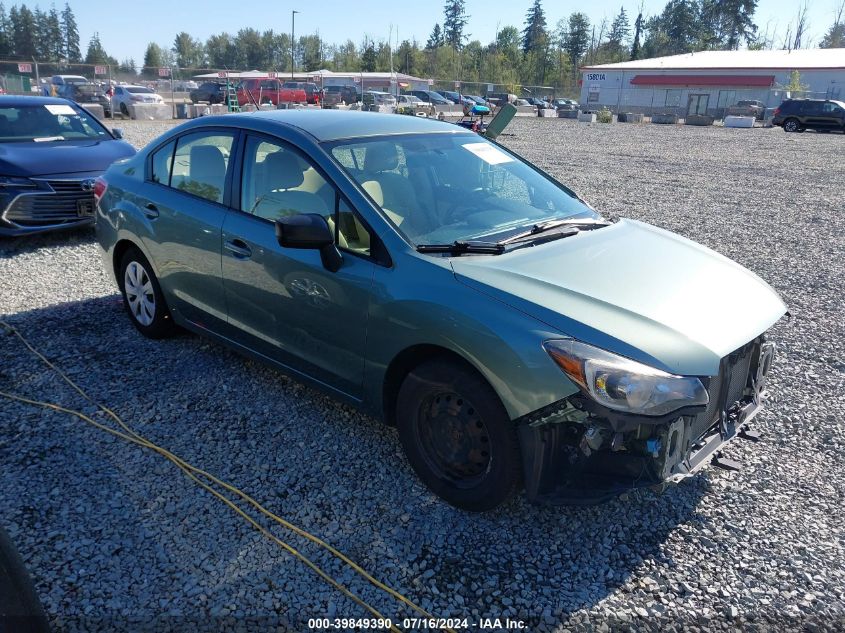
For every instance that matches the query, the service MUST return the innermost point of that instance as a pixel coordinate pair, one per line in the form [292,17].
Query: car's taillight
[777,111]
[100,186]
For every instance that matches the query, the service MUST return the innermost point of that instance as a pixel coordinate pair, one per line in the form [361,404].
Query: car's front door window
[278,182]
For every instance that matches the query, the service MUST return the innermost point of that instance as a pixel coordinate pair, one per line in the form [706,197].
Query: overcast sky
[126,28]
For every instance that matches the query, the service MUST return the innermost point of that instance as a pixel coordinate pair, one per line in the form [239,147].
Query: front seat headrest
[381,157]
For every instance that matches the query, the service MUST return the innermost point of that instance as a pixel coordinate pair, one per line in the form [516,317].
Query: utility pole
[292,44]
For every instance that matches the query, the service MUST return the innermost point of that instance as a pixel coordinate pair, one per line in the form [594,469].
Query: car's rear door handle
[151,210]
[238,248]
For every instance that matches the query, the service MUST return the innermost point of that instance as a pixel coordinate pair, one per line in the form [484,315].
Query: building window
[673,98]
[726,98]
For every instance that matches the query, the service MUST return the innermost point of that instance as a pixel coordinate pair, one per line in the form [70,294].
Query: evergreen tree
[534,34]
[53,34]
[725,24]
[127,67]
[620,30]
[835,36]
[6,34]
[577,38]
[454,20]
[188,51]
[368,57]
[96,54]
[40,40]
[638,31]
[23,32]
[435,40]
[153,58]
[70,36]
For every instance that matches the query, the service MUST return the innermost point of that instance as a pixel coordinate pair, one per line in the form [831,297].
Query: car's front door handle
[151,210]
[238,248]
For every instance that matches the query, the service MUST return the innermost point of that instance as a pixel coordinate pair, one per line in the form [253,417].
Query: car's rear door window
[161,164]
[200,164]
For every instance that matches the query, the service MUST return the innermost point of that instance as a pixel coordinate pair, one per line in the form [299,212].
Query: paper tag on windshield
[60,108]
[488,153]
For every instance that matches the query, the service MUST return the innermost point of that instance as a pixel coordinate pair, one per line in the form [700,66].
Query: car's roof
[21,100]
[332,125]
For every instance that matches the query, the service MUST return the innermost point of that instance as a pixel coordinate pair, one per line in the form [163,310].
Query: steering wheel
[461,200]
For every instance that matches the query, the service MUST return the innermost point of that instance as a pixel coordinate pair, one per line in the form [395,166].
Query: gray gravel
[117,539]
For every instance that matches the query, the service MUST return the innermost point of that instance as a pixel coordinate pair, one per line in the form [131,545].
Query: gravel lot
[118,539]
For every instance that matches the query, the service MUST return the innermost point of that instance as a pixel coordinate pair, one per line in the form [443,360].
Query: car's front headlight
[17,183]
[623,384]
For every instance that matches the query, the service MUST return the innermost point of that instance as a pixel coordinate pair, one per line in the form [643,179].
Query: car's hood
[61,157]
[636,290]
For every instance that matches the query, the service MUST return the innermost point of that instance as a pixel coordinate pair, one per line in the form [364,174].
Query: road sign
[223,74]
[24,68]
[357,80]
[272,74]
[101,70]
[457,85]
[164,72]
[431,82]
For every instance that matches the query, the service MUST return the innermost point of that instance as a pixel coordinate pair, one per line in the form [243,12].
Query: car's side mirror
[117,132]
[309,231]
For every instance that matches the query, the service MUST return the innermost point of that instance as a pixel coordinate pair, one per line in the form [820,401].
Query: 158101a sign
[596,76]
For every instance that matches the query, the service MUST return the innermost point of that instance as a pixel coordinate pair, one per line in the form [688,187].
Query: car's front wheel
[142,296]
[457,436]
[791,125]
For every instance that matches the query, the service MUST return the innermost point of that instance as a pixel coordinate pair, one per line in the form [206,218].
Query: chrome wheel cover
[139,293]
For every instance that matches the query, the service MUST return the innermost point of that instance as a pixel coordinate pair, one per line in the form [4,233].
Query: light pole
[292,44]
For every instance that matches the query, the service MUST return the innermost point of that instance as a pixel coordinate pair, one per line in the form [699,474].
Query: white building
[707,82]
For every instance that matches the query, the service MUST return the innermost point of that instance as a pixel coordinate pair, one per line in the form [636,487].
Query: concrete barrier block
[150,111]
[266,106]
[198,110]
[96,109]
[249,107]
[546,113]
[630,117]
[739,121]
[525,111]
[218,108]
[586,117]
[664,119]
[567,114]
[699,119]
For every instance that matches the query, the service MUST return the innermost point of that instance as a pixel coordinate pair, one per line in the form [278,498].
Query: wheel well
[404,363]
[119,250]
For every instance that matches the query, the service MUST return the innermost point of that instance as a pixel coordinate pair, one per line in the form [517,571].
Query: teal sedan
[442,283]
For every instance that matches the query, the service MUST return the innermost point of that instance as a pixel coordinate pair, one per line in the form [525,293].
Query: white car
[124,96]
[411,100]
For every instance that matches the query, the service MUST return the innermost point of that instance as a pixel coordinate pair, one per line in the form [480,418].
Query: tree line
[535,54]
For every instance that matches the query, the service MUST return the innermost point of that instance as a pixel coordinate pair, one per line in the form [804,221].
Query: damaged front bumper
[576,452]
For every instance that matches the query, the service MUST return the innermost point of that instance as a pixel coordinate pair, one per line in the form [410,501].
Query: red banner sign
[164,72]
[24,68]
[101,70]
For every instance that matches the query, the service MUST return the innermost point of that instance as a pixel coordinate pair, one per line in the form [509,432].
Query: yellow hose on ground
[130,435]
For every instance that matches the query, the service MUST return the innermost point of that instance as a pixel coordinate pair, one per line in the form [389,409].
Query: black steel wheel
[457,436]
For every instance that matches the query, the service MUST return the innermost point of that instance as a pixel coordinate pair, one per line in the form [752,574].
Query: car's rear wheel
[457,436]
[124,110]
[791,125]
[142,296]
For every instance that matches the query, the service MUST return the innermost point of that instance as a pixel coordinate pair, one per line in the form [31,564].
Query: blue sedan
[51,152]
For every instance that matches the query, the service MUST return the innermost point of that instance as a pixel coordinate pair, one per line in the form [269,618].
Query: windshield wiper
[460,247]
[574,226]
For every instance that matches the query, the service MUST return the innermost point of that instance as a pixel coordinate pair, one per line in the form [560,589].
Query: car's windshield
[439,188]
[139,89]
[48,122]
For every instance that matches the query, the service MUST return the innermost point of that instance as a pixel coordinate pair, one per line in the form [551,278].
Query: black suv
[209,92]
[797,115]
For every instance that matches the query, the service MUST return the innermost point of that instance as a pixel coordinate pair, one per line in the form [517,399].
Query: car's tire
[142,296]
[124,110]
[792,125]
[457,436]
